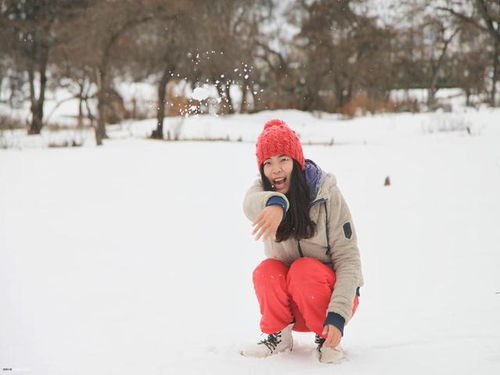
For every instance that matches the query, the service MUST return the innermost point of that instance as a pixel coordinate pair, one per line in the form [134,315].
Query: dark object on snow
[387,181]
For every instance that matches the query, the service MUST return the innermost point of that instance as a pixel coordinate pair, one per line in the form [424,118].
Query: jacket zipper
[328,248]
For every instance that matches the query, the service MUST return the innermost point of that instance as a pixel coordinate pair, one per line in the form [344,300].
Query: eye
[284,158]
[267,162]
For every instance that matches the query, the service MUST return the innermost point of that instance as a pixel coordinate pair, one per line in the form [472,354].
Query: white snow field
[136,258]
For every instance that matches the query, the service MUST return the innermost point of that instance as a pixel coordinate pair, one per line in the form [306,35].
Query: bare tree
[342,50]
[170,51]
[276,62]
[32,25]
[470,64]
[101,31]
[440,38]
[227,49]
[485,16]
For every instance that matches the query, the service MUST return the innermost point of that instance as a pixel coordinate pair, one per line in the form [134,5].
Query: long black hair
[297,223]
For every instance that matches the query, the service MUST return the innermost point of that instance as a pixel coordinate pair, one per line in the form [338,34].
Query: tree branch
[463,17]
[268,49]
[483,10]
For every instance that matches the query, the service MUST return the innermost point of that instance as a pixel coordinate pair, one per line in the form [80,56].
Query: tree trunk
[350,91]
[220,91]
[436,68]
[467,97]
[255,98]
[339,93]
[36,119]
[308,100]
[80,106]
[431,97]
[12,92]
[37,103]
[31,81]
[432,89]
[89,113]
[244,91]
[496,52]
[160,115]
[100,130]
[229,101]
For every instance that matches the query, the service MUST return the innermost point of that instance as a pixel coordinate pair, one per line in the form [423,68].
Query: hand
[267,222]
[333,336]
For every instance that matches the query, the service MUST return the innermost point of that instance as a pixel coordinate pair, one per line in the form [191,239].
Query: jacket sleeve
[256,199]
[345,256]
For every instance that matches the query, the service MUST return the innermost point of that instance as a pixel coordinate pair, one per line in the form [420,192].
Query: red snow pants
[299,293]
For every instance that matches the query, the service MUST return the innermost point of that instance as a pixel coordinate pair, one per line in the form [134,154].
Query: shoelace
[319,340]
[272,341]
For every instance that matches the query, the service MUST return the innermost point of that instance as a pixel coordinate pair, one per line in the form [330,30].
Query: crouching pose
[311,278]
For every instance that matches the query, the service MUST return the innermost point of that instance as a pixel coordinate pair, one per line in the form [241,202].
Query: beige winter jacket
[328,209]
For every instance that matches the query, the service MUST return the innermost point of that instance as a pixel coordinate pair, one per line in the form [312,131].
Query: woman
[311,278]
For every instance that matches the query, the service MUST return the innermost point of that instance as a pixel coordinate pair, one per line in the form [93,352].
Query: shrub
[361,105]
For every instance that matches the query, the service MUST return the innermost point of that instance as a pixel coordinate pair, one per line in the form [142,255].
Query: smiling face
[278,170]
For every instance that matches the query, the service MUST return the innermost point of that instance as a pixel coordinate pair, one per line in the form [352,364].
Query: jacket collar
[315,177]
[320,183]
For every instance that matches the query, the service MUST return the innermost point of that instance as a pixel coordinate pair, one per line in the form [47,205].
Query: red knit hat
[276,139]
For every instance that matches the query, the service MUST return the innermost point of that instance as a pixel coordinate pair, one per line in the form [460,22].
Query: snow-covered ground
[136,258]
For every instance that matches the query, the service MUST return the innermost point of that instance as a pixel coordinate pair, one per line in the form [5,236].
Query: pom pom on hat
[274,122]
[278,139]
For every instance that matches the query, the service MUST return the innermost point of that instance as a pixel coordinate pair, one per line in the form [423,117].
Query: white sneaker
[274,343]
[326,354]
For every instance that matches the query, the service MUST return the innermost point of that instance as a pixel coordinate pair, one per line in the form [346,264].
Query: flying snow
[200,93]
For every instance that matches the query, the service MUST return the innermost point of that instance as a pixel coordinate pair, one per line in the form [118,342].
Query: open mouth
[279,183]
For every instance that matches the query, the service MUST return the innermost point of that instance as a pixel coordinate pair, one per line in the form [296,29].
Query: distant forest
[312,55]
